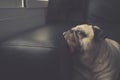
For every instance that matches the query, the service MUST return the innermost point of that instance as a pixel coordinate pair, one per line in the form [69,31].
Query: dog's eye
[82,33]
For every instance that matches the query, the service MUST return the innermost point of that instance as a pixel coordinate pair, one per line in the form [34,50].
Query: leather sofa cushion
[36,54]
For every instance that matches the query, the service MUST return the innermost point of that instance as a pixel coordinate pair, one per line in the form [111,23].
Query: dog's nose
[69,31]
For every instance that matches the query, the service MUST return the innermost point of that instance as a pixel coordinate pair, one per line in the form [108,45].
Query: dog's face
[83,36]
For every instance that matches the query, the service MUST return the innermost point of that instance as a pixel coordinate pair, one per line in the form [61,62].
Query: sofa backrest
[67,11]
[106,14]
[104,11]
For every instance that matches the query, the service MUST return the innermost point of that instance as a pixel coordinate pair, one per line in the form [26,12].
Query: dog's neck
[88,55]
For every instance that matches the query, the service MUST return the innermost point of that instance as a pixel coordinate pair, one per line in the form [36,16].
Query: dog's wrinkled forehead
[87,29]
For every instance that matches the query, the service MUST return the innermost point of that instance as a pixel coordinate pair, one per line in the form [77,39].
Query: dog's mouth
[72,40]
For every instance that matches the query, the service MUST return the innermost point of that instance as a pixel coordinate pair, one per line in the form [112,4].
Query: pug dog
[95,57]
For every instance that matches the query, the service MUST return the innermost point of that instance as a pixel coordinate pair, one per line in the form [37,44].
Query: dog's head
[83,36]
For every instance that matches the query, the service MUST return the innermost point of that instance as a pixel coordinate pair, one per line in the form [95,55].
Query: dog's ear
[99,34]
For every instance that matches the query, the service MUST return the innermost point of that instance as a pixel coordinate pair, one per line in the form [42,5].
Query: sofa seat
[35,54]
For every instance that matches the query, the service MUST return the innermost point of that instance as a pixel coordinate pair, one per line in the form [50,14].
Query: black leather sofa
[35,54]
[42,53]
